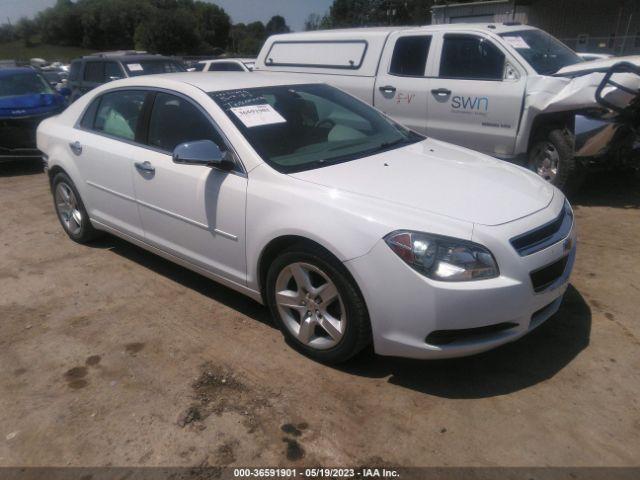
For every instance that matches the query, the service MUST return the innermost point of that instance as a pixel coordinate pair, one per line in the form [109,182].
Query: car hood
[23,105]
[601,65]
[441,178]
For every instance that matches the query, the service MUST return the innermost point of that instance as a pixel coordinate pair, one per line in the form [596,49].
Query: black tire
[357,331]
[84,232]
[569,175]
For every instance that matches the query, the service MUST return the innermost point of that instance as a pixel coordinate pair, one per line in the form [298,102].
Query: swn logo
[470,103]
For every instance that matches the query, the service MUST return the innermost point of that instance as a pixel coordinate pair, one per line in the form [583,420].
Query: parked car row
[433,250]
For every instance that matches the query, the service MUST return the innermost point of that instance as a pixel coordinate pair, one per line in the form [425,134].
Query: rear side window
[119,112]
[94,72]
[90,115]
[112,71]
[74,71]
[225,67]
[410,56]
[175,120]
[471,57]
[198,67]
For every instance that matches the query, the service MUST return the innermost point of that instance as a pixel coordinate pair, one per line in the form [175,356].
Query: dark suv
[93,70]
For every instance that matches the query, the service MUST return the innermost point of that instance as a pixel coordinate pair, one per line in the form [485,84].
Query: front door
[476,99]
[401,89]
[194,212]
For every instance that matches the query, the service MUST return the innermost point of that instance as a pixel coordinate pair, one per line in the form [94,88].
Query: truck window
[410,56]
[347,54]
[470,57]
[225,67]
[93,72]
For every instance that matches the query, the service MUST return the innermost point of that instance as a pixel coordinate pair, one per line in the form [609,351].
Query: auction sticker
[516,41]
[135,67]
[257,115]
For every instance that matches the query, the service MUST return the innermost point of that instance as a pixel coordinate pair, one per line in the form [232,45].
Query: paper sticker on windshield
[257,115]
[516,42]
[135,67]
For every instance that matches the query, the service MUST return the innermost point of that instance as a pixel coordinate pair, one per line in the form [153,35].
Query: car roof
[228,59]
[5,72]
[212,83]
[125,57]
[493,27]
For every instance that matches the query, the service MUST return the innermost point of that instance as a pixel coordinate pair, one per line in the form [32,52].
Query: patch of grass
[16,50]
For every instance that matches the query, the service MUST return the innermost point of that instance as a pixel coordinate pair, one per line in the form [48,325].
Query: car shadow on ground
[532,359]
[186,278]
[20,167]
[619,189]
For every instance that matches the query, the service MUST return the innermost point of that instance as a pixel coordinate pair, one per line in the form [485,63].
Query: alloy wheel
[545,160]
[68,210]
[310,305]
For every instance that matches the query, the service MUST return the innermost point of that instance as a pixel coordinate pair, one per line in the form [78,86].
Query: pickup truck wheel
[551,157]
[70,210]
[316,305]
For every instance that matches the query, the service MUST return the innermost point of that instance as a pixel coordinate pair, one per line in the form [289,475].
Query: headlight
[443,258]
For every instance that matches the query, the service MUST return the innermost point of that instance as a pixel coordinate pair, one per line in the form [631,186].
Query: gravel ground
[112,356]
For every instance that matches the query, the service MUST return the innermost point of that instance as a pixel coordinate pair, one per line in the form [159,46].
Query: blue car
[26,99]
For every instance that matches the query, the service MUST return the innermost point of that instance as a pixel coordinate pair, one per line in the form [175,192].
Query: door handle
[441,91]
[76,147]
[145,167]
[387,89]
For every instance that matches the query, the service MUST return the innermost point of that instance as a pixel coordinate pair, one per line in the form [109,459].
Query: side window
[225,67]
[199,67]
[112,71]
[93,72]
[471,57]
[175,120]
[119,112]
[74,71]
[90,115]
[410,56]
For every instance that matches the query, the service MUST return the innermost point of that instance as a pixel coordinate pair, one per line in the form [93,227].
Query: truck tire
[551,157]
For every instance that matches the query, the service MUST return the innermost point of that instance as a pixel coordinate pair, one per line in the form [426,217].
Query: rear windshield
[546,54]
[149,67]
[23,83]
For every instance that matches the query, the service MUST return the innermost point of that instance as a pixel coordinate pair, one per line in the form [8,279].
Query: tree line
[170,27]
[190,27]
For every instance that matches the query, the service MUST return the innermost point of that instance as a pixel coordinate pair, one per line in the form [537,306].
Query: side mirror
[202,152]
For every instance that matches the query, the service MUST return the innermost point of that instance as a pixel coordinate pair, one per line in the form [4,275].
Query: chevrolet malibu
[352,229]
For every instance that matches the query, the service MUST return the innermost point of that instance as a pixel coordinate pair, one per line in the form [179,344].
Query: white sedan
[351,228]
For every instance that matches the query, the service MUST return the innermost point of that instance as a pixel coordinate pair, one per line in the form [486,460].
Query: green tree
[213,25]
[277,24]
[168,32]
[25,30]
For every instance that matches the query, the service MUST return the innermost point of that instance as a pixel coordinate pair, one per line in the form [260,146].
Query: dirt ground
[111,356]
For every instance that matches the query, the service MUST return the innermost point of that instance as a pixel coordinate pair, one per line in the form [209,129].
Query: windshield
[23,83]
[149,67]
[545,53]
[301,127]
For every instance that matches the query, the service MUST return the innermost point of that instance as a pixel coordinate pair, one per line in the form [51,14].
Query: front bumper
[405,307]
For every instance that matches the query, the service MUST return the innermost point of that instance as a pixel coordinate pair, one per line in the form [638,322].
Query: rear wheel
[551,157]
[317,305]
[70,210]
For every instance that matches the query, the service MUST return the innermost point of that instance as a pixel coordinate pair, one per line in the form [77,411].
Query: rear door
[402,87]
[477,96]
[106,146]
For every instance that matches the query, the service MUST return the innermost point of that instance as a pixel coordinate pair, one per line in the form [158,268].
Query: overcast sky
[294,11]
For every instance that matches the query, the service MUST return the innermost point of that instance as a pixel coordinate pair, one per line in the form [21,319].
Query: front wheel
[317,305]
[551,157]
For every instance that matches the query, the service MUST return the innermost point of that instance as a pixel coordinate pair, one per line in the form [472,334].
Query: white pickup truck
[508,90]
